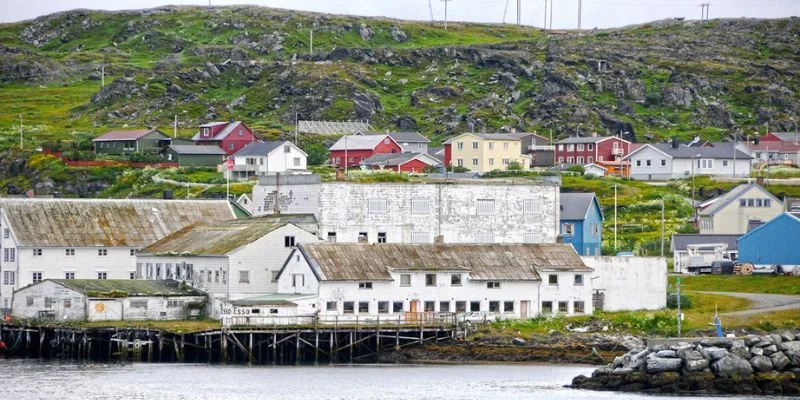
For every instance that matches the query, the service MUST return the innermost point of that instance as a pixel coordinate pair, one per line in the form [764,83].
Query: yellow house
[484,152]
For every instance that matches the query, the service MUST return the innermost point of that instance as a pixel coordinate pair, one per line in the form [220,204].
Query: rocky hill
[667,78]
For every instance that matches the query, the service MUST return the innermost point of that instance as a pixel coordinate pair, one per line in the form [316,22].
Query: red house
[786,137]
[592,149]
[401,162]
[352,150]
[230,136]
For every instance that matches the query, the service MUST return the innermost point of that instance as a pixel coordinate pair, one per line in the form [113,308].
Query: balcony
[541,147]
[618,151]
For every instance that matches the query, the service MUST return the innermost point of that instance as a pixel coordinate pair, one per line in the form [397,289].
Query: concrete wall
[630,283]
[297,194]
[157,308]
[73,310]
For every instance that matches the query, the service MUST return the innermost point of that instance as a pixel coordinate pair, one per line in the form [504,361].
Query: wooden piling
[223,347]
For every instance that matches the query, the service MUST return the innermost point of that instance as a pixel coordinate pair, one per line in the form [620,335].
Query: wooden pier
[363,342]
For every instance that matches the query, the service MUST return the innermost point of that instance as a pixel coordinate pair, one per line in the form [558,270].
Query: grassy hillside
[668,78]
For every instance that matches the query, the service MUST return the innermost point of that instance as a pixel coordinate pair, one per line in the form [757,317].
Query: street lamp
[693,203]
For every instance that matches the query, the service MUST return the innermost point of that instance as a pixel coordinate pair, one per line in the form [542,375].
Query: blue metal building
[582,223]
[773,243]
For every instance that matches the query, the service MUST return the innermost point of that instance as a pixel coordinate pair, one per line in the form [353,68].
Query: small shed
[195,156]
[594,169]
[107,300]
[121,142]
[270,309]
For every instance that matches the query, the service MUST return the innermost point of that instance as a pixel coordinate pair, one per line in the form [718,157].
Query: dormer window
[241,131]
[206,132]
[287,149]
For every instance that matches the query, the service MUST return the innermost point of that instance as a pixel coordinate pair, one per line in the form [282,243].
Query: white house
[88,238]
[462,211]
[228,260]
[264,158]
[661,161]
[412,282]
[107,300]
[595,169]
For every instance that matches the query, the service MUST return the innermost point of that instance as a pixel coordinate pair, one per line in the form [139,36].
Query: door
[413,313]
[523,308]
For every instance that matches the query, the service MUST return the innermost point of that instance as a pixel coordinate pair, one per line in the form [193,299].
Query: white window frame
[485,207]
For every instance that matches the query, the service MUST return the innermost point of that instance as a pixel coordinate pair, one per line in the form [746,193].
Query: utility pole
[704,9]
[615,218]
[102,75]
[662,227]
[545,15]
[735,135]
[20,131]
[311,42]
[680,314]
[430,8]
[505,12]
[445,13]
[296,122]
[580,11]
[175,127]
[519,12]
[551,14]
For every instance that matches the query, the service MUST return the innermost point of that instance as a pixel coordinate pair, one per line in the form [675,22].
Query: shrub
[577,168]
[672,301]
[146,158]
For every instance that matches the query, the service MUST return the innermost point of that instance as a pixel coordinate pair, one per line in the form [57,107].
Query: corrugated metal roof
[351,262]
[231,126]
[680,241]
[776,146]
[584,139]
[395,159]
[358,142]
[192,149]
[259,148]
[105,222]
[718,150]
[134,288]
[734,194]
[272,300]
[574,206]
[125,135]
[787,136]
[220,238]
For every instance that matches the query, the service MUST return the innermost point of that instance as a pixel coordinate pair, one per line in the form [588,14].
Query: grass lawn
[744,284]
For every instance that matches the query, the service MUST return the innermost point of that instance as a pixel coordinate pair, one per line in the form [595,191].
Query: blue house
[773,243]
[582,223]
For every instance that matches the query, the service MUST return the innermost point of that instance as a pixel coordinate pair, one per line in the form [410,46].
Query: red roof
[781,147]
[123,135]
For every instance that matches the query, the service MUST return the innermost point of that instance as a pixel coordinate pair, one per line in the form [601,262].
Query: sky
[595,13]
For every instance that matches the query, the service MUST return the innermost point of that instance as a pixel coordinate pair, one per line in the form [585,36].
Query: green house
[195,156]
[126,142]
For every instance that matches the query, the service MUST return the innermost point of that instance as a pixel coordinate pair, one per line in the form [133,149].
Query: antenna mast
[445,13]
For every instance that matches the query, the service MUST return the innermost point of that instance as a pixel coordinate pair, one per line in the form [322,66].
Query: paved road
[761,303]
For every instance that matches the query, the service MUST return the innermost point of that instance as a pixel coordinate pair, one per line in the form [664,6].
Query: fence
[109,163]
[406,319]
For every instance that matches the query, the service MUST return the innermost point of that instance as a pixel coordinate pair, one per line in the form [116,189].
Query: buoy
[7,318]
[2,345]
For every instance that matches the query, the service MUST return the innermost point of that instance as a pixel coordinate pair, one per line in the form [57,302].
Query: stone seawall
[759,365]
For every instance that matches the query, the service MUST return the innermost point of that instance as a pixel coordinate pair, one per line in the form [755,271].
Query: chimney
[594,134]
[675,143]
[756,140]
[167,195]
[231,120]
[438,240]
[340,174]
[56,195]
[760,180]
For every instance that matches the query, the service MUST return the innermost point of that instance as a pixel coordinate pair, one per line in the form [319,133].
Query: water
[25,379]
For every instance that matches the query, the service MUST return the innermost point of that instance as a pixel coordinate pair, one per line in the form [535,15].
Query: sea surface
[27,379]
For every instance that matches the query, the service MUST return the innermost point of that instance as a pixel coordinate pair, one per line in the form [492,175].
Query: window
[430,306]
[570,147]
[491,161]
[506,161]
[531,238]
[132,275]
[563,307]
[560,160]
[287,148]
[296,161]
[205,132]
[376,206]
[491,145]
[288,241]
[663,163]
[331,237]
[493,285]
[102,252]
[37,252]
[638,163]
[705,163]
[460,162]
[177,303]
[363,307]
[348,307]
[6,233]
[531,206]
[133,252]
[381,237]
[29,300]
[578,307]
[508,306]
[494,306]
[474,162]
[330,306]
[230,146]
[547,307]
[580,147]
[484,237]
[474,306]
[298,280]
[461,306]
[365,285]
[570,160]
[742,202]
[420,237]
[589,159]
[567,229]
[420,206]
[405,279]
[67,303]
[69,275]
[397,306]
[386,141]
[102,275]
[244,276]
[9,255]
[138,303]
[580,160]
[430,279]
[383,307]
[767,202]
[48,302]
[561,147]
[455,280]
[505,145]
[37,277]
[9,278]
[648,163]
[758,202]
[485,207]
[751,202]
[70,252]
[250,161]
[578,279]
[363,237]
[444,306]
[724,163]
[475,145]
[460,145]
[552,279]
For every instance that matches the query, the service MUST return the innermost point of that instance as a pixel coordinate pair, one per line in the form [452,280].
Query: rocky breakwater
[757,365]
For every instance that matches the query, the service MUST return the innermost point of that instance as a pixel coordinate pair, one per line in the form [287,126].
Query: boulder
[696,365]
[519,341]
[757,351]
[779,360]
[789,346]
[657,364]
[776,338]
[406,123]
[761,363]
[365,32]
[787,336]
[508,80]
[690,354]
[398,35]
[366,105]
[667,354]
[677,96]
[731,366]
[681,346]
[768,350]
[741,352]
[714,353]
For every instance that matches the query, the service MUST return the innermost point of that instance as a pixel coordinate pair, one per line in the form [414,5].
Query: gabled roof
[733,195]
[397,159]
[787,136]
[595,165]
[520,135]
[285,300]
[791,217]
[575,206]
[354,262]
[359,142]
[263,148]
[231,126]
[410,137]
[221,238]
[133,288]
[105,222]
[588,139]
[437,153]
[198,150]
[487,136]
[213,124]
[111,136]
[681,240]
[719,150]
[776,146]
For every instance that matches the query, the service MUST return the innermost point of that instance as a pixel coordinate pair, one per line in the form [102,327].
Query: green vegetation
[742,284]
